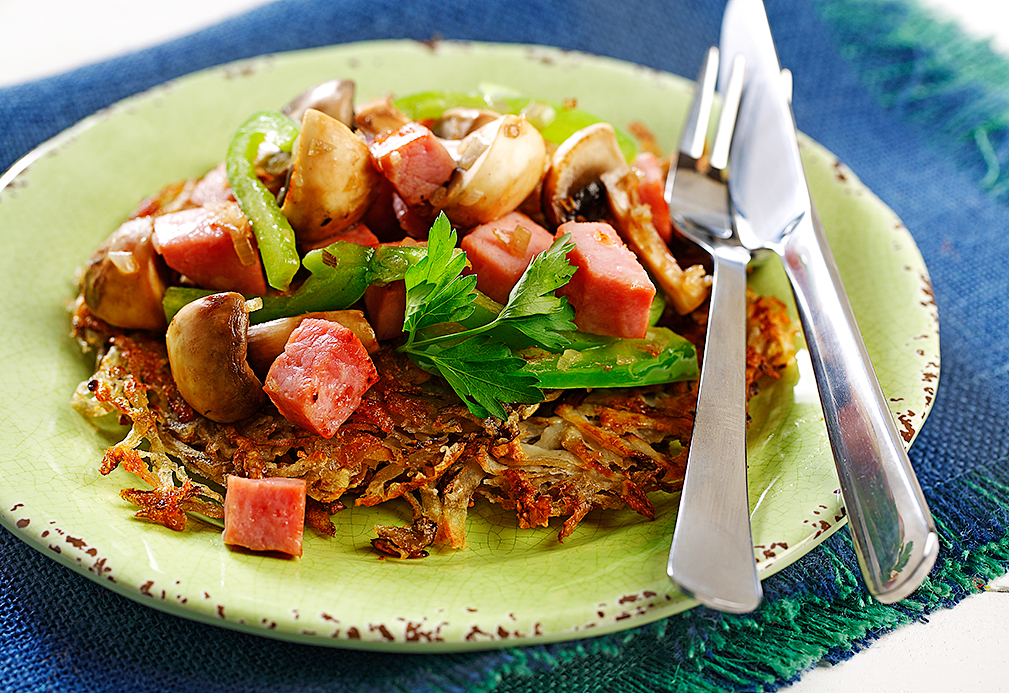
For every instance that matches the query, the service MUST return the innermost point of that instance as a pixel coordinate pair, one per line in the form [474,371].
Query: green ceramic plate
[509,586]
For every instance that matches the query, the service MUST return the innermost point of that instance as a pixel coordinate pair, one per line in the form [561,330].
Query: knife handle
[711,558]
[890,524]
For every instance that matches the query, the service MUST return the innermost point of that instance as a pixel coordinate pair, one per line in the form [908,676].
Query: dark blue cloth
[63,632]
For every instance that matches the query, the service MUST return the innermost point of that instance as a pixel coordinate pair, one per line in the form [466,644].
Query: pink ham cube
[499,252]
[265,514]
[358,233]
[610,291]
[213,246]
[414,161]
[319,380]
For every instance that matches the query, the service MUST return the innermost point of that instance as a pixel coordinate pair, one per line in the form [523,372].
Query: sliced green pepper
[657,308]
[596,361]
[556,122]
[273,232]
[340,274]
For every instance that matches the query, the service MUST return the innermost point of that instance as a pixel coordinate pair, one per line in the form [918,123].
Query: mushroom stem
[687,288]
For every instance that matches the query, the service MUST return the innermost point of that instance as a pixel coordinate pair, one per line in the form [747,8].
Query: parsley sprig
[480,363]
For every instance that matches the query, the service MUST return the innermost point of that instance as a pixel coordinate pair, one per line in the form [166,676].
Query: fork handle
[889,521]
[711,557]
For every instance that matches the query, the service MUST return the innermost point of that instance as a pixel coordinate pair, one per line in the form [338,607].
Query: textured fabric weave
[915,109]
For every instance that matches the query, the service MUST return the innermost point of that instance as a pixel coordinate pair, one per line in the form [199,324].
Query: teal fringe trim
[934,73]
[794,630]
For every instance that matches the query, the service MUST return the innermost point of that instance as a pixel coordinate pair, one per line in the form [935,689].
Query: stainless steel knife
[890,524]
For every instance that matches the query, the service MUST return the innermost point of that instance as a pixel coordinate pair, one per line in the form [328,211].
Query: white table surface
[962,649]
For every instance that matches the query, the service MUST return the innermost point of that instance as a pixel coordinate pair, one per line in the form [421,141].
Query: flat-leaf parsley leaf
[479,363]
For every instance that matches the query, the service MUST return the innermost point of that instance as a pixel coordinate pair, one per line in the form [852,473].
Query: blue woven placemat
[916,109]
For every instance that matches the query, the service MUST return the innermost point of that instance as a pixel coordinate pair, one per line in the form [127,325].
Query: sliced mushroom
[125,279]
[333,182]
[267,339]
[500,163]
[335,98]
[686,288]
[207,343]
[572,189]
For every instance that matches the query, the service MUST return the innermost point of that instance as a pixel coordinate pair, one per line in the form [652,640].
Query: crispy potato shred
[410,439]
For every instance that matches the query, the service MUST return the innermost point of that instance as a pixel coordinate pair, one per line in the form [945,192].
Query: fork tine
[696,129]
[727,119]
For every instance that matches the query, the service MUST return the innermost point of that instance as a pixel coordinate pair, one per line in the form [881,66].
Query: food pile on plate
[442,299]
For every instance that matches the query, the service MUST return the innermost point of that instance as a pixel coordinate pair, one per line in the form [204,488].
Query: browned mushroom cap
[124,281]
[207,343]
[335,98]
[333,182]
[268,339]
[576,168]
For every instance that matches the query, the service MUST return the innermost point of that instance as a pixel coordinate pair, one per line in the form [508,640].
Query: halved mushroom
[500,163]
[268,339]
[572,188]
[333,182]
[335,98]
[125,279]
[207,343]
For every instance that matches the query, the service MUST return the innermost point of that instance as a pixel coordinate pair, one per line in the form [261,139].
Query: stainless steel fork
[712,557]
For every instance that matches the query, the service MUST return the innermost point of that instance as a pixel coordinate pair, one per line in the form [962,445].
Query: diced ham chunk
[358,233]
[319,380]
[265,514]
[213,187]
[651,189]
[610,290]
[213,246]
[414,161]
[386,304]
[500,251]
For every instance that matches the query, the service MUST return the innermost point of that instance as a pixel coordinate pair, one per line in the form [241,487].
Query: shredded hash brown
[410,439]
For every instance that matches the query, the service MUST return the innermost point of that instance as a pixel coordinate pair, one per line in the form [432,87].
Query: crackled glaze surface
[508,586]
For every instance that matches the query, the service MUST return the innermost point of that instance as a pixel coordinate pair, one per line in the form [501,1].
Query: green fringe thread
[952,82]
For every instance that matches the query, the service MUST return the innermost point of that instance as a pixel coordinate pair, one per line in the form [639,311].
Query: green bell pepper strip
[340,274]
[595,361]
[555,122]
[657,308]
[273,232]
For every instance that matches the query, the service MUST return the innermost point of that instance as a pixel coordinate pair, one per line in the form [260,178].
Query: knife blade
[890,524]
